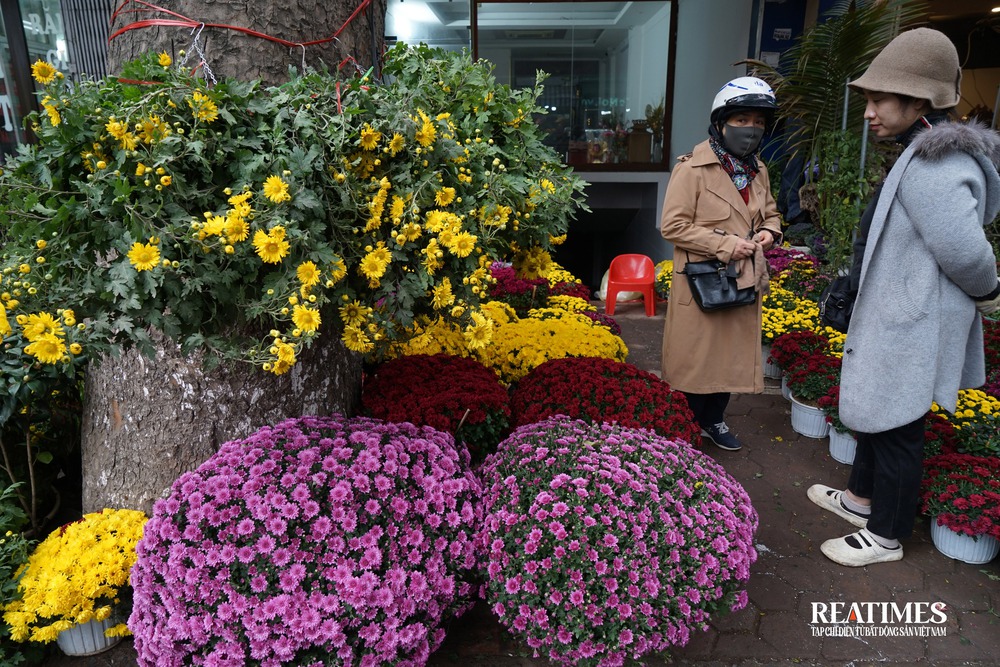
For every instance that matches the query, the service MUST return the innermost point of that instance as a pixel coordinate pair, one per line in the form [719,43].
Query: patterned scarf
[741,170]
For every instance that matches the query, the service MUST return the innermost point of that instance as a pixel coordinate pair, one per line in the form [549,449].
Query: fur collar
[975,138]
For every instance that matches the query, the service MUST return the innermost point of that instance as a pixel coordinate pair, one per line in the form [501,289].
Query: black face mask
[742,141]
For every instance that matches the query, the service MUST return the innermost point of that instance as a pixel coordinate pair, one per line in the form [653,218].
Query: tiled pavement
[776,467]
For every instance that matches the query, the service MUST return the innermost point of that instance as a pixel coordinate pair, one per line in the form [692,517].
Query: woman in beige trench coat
[719,206]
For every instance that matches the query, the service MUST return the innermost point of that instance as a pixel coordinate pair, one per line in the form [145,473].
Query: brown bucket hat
[921,63]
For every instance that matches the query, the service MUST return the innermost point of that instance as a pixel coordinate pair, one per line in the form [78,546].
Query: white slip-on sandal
[859,549]
[831,500]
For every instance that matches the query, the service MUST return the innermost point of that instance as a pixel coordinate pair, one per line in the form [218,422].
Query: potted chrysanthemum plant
[318,541]
[454,394]
[809,380]
[961,495]
[605,543]
[74,583]
[603,390]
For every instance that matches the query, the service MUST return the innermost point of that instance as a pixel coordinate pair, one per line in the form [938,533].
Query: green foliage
[14,550]
[843,191]
[810,82]
[236,219]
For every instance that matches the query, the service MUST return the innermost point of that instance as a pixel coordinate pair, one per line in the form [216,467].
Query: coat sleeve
[683,225]
[941,201]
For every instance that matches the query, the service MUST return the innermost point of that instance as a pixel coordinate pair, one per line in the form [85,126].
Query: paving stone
[903,576]
[802,573]
[954,646]
[699,647]
[738,646]
[789,634]
[769,593]
[744,620]
[966,589]
[983,630]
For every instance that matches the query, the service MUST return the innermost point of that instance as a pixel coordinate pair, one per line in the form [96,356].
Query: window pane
[438,23]
[607,61]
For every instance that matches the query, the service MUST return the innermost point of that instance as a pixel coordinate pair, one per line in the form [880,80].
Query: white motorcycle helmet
[745,92]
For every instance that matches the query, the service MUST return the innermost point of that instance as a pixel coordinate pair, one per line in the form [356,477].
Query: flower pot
[785,391]
[808,420]
[968,549]
[842,446]
[770,370]
[87,638]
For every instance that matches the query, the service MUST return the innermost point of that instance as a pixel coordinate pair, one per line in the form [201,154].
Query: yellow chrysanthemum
[427,133]
[47,349]
[285,352]
[43,72]
[144,256]
[338,270]
[38,325]
[442,296]
[153,129]
[203,107]
[369,137]
[271,246]
[357,340]
[444,196]
[374,264]
[308,274]
[396,144]
[236,229]
[164,59]
[276,189]
[5,328]
[354,314]
[54,117]
[479,333]
[462,245]
[305,318]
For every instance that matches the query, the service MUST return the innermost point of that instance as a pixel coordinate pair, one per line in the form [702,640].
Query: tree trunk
[146,421]
[231,53]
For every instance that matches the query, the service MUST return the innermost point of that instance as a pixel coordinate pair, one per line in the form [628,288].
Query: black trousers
[888,467]
[708,409]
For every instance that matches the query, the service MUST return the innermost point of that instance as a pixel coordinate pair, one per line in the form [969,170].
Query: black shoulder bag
[713,285]
[836,304]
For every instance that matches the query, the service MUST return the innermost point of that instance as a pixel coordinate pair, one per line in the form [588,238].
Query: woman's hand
[744,248]
[764,238]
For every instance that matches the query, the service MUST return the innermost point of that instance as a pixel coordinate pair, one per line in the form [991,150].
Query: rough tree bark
[236,54]
[146,421]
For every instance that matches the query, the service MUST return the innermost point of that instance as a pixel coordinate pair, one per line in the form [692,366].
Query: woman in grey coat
[924,272]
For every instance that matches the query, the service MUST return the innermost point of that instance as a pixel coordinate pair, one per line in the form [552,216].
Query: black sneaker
[723,439]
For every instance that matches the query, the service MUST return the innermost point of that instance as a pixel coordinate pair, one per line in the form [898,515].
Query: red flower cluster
[829,403]
[602,390]
[520,294]
[564,288]
[991,344]
[794,346]
[962,492]
[939,435]
[453,394]
[812,378]
[604,320]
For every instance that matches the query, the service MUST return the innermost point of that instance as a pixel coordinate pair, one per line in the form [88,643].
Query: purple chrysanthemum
[306,565]
[606,543]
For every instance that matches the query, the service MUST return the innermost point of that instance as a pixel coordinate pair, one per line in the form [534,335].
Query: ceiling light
[995,10]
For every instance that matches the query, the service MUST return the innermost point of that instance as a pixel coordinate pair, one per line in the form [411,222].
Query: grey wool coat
[915,335]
